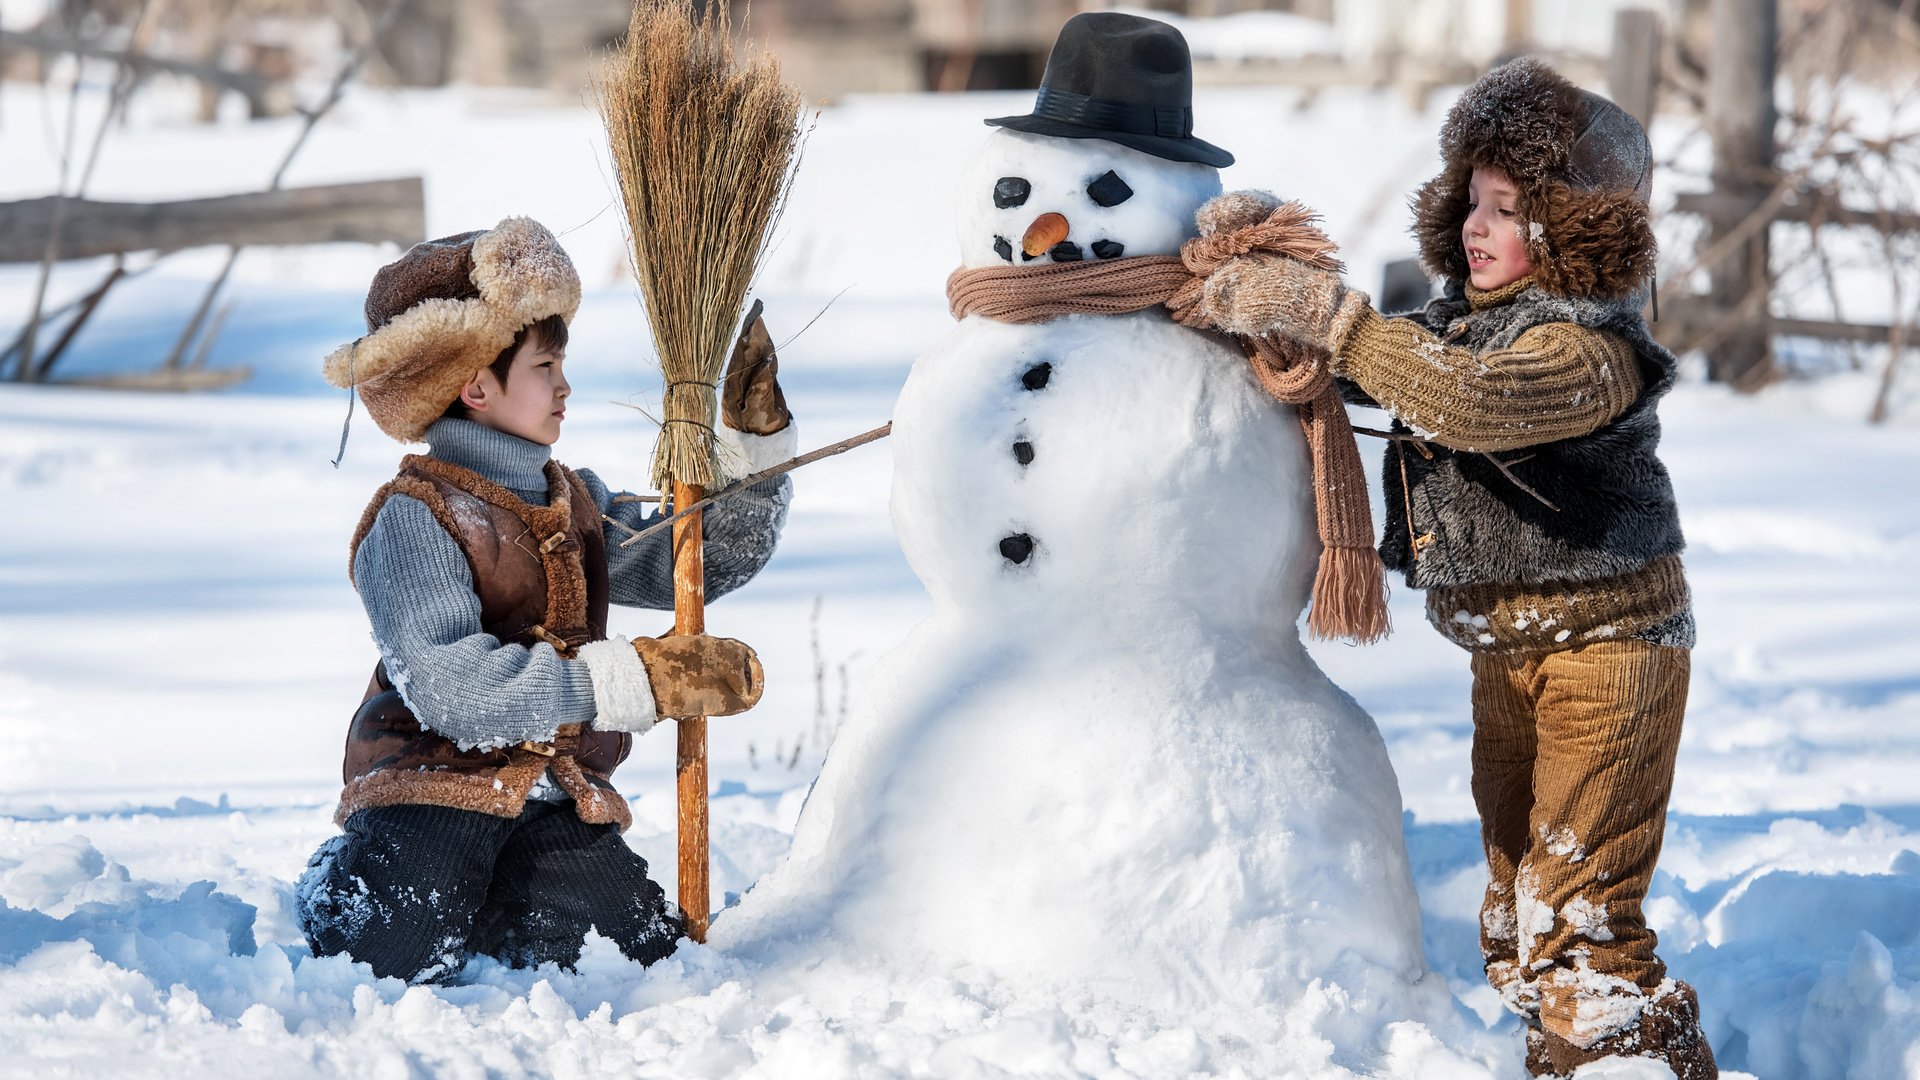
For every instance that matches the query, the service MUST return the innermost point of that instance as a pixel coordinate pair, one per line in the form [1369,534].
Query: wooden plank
[1695,316]
[374,212]
[164,381]
[1803,208]
[1870,333]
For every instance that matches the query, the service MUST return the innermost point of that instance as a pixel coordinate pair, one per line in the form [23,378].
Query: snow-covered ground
[179,648]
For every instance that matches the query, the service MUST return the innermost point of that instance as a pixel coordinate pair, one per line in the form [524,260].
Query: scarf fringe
[1350,596]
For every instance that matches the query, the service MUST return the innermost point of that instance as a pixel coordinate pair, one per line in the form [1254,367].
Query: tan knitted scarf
[1349,590]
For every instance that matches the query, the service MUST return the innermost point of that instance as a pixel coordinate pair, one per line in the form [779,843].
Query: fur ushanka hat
[1583,169]
[446,309]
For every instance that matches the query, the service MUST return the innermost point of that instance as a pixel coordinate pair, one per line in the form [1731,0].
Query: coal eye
[1011,191]
[1109,190]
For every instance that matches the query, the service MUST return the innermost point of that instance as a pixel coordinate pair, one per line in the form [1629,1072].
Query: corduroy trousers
[1573,756]
[413,891]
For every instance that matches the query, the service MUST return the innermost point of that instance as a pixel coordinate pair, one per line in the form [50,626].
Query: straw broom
[704,143]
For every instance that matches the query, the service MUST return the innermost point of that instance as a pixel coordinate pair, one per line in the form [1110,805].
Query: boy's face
[533,401]
[1493,234]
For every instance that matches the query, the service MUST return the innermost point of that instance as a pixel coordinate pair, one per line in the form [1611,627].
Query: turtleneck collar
[1482,299]
[508,460]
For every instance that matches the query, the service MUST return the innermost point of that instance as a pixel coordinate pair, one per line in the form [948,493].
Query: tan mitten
[698,675]
[1260,294]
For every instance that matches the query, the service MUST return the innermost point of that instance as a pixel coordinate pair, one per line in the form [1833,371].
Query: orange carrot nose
[1046,231]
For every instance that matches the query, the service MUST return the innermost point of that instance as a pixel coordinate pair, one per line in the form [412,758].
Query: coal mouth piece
[1017,548]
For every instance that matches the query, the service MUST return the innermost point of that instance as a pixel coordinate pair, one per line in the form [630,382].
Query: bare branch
[311,118]
[122,88]
[763,475]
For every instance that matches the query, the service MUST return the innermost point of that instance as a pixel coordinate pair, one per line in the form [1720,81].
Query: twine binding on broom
[1350,585]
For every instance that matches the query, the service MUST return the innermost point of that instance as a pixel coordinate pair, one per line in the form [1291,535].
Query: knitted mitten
[1236,210]
[1257,294]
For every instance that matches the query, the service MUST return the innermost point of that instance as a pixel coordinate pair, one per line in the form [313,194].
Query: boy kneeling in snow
[478,814]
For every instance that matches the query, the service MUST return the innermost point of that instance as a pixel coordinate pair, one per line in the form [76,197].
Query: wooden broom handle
[690,771]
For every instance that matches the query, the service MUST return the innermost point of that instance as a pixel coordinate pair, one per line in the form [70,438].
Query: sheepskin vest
[1616,510]
[540,573]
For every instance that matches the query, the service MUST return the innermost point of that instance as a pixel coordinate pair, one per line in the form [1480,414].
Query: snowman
[1105,764]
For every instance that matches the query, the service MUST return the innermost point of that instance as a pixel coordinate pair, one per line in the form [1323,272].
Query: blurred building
[835,47]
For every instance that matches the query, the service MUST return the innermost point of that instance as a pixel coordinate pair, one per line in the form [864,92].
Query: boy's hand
[1259,294]
[750,399]
[698,675]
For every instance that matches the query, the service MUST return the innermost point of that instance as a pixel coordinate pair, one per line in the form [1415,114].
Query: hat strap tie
[353,387]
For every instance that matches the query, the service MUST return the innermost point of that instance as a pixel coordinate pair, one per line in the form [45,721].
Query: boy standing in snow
[1534,511]
[478,815]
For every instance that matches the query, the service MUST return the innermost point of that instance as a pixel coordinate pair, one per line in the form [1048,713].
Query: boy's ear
[476,395]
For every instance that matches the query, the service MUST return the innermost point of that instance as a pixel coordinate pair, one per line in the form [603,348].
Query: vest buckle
[558,542]
[543,749]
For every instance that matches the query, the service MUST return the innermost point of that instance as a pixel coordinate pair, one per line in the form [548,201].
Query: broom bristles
[703,143]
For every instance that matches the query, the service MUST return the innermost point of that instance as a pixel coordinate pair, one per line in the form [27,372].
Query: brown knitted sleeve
[1557,381]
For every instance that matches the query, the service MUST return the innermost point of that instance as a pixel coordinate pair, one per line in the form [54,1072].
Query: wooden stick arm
[763,475]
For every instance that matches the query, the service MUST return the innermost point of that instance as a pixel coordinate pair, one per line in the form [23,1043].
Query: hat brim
[1198,151]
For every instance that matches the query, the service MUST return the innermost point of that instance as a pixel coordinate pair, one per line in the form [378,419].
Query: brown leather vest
[540,573]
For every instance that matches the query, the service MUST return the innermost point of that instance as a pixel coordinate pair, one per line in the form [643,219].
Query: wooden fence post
[1633,70]
[1740,119]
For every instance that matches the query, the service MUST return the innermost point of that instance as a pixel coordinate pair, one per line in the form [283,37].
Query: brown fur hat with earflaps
[446,309]
[1583,169]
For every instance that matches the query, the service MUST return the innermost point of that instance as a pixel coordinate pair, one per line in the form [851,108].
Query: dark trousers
[414,890]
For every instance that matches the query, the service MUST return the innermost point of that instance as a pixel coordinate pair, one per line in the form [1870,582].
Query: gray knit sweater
[418,589]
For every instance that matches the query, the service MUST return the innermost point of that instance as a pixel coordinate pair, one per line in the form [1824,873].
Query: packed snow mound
[68,891]
[1105,771]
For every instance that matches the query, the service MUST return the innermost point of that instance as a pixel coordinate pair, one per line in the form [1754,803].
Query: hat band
[1166,121]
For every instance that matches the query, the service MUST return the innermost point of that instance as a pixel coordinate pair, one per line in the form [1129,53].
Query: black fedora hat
[1124,79]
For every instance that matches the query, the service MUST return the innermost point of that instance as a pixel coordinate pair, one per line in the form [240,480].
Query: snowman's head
[1028,199]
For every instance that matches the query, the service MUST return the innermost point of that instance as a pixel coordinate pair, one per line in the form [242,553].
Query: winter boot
[1668,1031]
[1539,1059]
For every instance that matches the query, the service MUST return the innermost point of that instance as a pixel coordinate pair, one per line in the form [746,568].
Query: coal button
[1017,548]
[1036,376]
[1023,452]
